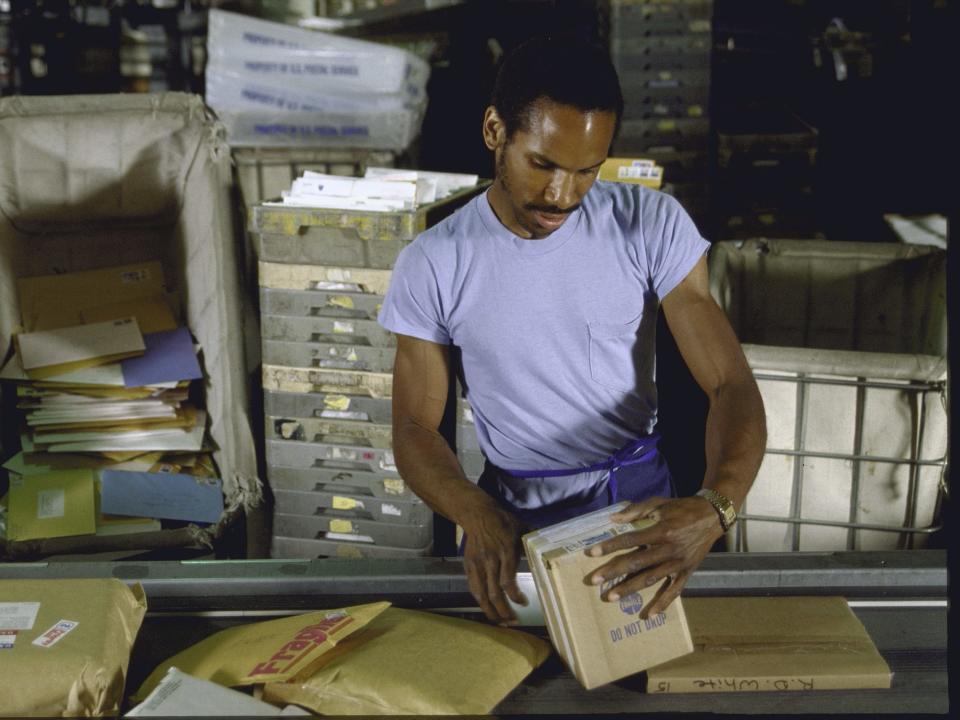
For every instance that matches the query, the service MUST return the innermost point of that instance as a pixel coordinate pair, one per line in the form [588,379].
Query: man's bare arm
[736,431]
[735,441]
[430,468]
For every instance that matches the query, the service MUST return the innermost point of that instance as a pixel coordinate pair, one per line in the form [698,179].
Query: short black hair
[564,69]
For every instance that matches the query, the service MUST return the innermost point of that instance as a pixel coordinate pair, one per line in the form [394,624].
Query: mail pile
[381,189]
[113,440]
[277,85]
[326,251]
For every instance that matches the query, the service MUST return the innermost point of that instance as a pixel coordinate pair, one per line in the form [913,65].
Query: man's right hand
[490,560]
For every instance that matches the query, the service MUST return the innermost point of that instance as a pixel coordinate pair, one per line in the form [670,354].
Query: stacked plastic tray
[468,448]
[327,381]
[662,54]
[766,162]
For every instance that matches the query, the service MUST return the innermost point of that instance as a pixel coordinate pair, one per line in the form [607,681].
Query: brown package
[773,643]
[72,660]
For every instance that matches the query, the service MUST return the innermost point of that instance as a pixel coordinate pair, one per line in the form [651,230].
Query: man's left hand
[673,548]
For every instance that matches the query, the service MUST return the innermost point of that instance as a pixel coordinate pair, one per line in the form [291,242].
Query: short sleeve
[672,241]
[413,305]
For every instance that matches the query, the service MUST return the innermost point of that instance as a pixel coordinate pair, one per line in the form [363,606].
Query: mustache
[551,209]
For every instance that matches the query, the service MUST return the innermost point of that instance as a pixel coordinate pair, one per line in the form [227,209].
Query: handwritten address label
[733,685]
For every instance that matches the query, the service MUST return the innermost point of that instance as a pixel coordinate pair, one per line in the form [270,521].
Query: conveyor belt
[900,598]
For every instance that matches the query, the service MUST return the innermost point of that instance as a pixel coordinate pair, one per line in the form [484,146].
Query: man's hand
[673,548]
[490,561]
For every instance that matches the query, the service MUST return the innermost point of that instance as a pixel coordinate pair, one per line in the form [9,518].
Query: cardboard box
[773,644]
[638,171]
[599,641]
[89,181]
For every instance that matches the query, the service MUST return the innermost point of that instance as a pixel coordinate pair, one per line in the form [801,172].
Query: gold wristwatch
[723,506]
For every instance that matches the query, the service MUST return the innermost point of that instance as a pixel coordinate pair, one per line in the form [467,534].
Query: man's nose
[560,191]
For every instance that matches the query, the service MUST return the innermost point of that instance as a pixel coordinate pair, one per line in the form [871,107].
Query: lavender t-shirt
[557,335]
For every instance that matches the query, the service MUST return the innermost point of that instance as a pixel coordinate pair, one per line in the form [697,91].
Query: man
[549,284]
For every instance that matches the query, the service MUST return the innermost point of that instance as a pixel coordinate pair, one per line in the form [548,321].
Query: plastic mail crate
[665,51]
[263,173]
[277,378]
[847,342]
[325,523]
[333,406]
[345,238]
[352,482]
[328,303]
[339,355]
[331,456]
[645,18]
[761,135]
[283,276]
[357,505]
[317,328]
[100,180]
[283,547]
[361,434]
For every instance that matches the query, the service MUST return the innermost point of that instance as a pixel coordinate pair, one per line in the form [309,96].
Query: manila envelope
[48,302]
[54,352]
[55,504]
[153,315]
[774,644]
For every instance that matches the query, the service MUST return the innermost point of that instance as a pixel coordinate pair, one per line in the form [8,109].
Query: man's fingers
[478,588]
[666,595]
[508,581]
[495,592]
[644,580]
[629,564]
[635,511]
[633,539]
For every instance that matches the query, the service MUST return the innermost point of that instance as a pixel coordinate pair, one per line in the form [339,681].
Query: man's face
[544,170]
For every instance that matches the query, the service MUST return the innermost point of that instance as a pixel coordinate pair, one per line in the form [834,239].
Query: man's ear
[494,131]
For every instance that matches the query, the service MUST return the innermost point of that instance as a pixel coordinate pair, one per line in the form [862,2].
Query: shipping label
[18,616]
[56,633]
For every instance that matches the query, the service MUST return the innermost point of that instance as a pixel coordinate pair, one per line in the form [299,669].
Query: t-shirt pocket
[613,354]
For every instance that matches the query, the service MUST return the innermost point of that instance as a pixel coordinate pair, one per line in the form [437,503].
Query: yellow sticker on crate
[341,301]
[344,503]
[336,402]
[341,526]
[393,486]
[695,111]
[666,125]
[349,551]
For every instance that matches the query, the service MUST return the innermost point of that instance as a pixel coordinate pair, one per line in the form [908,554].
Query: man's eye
[541,165]
[591,171]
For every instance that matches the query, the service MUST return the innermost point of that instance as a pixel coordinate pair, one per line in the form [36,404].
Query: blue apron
[636,472]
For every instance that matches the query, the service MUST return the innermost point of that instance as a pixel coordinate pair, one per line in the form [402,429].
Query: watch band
[722,504]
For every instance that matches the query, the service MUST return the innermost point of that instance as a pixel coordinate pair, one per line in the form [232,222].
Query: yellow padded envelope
[278,649]
[411,662]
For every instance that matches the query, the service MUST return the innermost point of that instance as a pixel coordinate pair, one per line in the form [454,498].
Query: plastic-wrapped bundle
[277,85]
